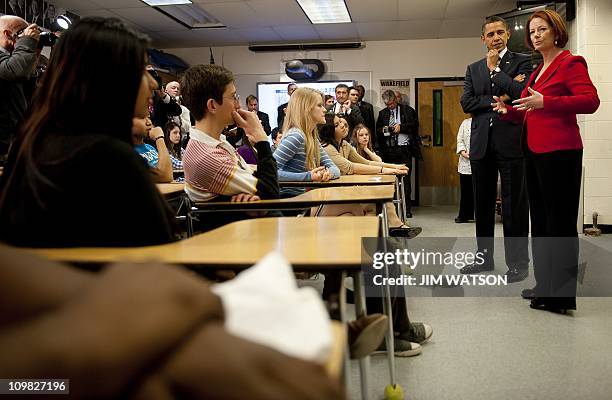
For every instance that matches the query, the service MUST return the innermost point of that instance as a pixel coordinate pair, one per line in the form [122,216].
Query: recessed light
[155,3]
[325,11]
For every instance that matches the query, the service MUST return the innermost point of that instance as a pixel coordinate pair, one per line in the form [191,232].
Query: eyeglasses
[235,97]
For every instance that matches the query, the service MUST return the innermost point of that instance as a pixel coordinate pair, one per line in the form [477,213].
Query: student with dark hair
[157,158]
[72,177]
[333,136]
[172,138]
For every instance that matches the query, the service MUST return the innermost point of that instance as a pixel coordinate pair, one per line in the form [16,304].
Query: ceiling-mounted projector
[305,69]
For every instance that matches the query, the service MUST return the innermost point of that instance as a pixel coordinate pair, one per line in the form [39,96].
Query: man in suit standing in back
[367,110]
[397,138]
[253,106]
[495,147]
[344,107]
[280,111]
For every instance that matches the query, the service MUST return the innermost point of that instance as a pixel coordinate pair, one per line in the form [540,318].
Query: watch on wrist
[159,137]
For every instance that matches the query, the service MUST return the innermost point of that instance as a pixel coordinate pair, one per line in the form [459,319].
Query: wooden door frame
[417,188]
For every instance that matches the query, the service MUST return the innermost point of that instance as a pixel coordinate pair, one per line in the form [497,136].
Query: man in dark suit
[495,147]
[344,107]
[366,109]
[397,137]
[253,106]
[280,111]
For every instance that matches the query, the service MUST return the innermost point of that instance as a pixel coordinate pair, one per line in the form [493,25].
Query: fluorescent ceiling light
[325,11]
[166,2]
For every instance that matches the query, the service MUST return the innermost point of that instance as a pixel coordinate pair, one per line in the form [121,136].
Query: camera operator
[164,106]
[18,58]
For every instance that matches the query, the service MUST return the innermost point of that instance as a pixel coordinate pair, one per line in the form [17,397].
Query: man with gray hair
[18,58]
[397,137]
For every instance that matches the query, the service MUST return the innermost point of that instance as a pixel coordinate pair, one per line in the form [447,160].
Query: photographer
[18,58]
[164,106]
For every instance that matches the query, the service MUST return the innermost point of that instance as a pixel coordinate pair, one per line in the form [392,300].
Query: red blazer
[567,90]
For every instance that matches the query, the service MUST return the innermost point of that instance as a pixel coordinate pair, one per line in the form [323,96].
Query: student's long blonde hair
[299,115]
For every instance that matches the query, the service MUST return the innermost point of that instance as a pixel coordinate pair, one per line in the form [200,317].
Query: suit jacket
[265,121]
[478,91]
[409,126]
[353,119]
[367,112]
[280,115]
[567,90]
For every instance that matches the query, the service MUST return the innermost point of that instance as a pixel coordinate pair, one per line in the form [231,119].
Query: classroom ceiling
[282,21]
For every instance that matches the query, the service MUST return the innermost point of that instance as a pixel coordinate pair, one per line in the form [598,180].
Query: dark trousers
[466,203]
[553,183]
[402,155]
[515,208]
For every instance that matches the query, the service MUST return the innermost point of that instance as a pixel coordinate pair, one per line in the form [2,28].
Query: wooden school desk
[309,244]
[361,180]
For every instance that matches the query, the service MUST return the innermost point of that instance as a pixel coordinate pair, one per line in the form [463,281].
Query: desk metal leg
[388,310]
[360,309]
[343,319]
[401,197]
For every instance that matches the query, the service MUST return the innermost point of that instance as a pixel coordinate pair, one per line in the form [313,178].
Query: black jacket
[265,121]
[367,113]
[478,91]
[15,72]
[409,125]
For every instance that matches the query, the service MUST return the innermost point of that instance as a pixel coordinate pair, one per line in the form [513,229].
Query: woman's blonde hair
[299,115]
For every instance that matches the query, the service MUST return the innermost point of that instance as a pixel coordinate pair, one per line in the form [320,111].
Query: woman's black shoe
[528,294]
[545,304]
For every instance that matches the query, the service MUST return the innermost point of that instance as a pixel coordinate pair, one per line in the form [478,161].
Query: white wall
[397,59]
[593,33]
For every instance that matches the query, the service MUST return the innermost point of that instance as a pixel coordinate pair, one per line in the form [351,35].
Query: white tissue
[264,305]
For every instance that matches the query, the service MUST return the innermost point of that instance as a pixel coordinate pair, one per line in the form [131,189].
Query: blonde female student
[300,156]
[333,136]
[361,139]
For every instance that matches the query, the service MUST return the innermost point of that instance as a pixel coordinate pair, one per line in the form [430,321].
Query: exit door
[440,115]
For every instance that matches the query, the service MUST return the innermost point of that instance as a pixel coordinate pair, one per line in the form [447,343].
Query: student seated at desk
[333,136]
[73,178]
[299,155]
[139,331]
[158,159]
[172,138]
[214,170]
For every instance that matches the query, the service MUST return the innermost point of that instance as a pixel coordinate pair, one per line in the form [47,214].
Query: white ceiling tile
[468,8]
[149,18]
[217,1]
[421,9]
[377,30]
[299,32]
[367,11]
[258,35]
[76,4]
[289,13]
[200,37]
[120,3]
[236,15]
[337,31]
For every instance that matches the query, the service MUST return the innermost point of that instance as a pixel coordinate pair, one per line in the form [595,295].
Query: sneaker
[402,348]
[366,333]
[418,333]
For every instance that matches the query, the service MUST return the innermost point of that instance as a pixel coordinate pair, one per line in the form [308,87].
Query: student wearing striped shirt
[213,168]
[300,156]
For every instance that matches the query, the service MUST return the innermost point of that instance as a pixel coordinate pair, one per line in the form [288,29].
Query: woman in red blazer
[557,90]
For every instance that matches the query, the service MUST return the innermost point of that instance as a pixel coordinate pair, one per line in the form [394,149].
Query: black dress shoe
[476,268]
[460,220]
[549,304]
[528,294]
[517,274]
[407,232]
